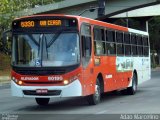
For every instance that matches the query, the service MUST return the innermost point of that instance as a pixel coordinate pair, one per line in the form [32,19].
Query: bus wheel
[95,98]
[133,89]
[42,101]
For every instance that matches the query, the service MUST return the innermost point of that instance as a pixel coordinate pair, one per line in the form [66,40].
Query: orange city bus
[69,56]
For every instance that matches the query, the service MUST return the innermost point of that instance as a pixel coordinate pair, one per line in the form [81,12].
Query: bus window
[110,36]
[145,46]
[99,41]
[146,51]
[140,50]
[127,44]
[134,50]
[133,39]
[120,49]
[120,46]
[139,40]
[119,37]
[127,38]
[145,41]
[99,48]
[111,48]
[127,50]
[86,44]
[98,34]
[110,42]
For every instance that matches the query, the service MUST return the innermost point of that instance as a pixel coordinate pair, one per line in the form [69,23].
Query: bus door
[86,44]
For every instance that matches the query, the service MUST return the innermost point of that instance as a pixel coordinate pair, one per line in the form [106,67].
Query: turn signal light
[16,81]
[20,82]
[65,82]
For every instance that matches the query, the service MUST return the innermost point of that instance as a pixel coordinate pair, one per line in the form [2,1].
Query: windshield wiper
[46,45]
[54,38]
[32,38]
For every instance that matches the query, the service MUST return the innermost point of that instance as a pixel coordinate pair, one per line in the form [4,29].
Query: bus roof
[91,21]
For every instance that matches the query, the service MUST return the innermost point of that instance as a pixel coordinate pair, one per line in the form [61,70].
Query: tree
[154,30]
[9,9]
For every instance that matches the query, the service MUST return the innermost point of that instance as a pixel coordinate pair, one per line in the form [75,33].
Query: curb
[4,81]
[156,69]
[5,85]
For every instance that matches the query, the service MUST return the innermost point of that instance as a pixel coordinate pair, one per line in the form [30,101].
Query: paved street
[147,100]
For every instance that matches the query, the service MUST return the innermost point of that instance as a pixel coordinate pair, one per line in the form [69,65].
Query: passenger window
[133,39]
[145,41]
[127,50]
[146,51]
[86,44]
[99,41]
[127,38]
[140,50]
[139,40]
[110,42]
[120,49]
[110,36]
[111,48]
[134,50]
[119,37]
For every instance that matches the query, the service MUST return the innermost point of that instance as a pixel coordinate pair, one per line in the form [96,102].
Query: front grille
[42,83]
[50,92]
[44,71]
[41,72]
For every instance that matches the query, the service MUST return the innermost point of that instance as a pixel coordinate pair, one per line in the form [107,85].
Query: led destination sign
[50,23]
[43,23]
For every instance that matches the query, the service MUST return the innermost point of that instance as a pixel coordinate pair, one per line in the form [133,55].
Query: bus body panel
[116,71]
[74,89]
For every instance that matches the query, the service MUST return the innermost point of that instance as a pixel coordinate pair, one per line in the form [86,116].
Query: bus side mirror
[6,41]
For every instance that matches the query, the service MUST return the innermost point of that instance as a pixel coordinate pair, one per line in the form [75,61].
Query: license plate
[41,91]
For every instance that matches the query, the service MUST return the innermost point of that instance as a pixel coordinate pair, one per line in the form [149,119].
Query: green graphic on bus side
[124,64]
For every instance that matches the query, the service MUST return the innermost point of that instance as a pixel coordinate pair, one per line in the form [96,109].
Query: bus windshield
[46,50]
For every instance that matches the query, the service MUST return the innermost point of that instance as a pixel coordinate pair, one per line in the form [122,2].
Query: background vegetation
[9,9]
[8,12]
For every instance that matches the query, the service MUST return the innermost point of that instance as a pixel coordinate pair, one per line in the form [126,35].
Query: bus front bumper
[73,89]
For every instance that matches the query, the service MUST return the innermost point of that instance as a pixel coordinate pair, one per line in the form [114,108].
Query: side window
[86,43]
[127,45]
[119,37]
[133,39]
[110,42]
[134,50]
[140,45]
[140,50]
[120,45]
[145,41]
[139,40]
[111,48]
[134,45]
[110,36]
[99,41]
[146,51]
[120,49]
[127,38]
[145,46]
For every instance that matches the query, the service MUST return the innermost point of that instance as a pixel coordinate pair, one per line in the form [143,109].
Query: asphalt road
[146,101]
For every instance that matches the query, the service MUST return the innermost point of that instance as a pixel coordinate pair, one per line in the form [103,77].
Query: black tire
[96,97]
[42,101]
[133,89]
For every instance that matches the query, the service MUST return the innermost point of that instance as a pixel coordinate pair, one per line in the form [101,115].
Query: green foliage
[154,31]
[9,9]
[5,61]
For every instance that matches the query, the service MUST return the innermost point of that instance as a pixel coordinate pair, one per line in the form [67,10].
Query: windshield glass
[46,50]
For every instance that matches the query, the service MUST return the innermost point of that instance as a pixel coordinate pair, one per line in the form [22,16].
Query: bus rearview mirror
[6,41]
